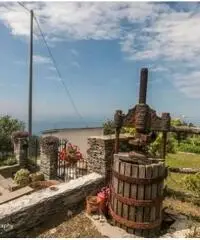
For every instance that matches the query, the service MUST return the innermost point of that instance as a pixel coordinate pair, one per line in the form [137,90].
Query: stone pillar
[49,157]
[100,153]
[21,151]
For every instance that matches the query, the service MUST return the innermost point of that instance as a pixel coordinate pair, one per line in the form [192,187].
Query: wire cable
[55,65]
[58,72]
[22,5]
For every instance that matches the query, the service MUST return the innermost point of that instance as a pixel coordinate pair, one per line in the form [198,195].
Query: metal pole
[164,144]
[117,133]
[143,85]
[30,75]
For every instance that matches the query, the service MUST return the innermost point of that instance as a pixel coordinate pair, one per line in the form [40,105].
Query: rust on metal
[143,85]
[136,202]
[132,224]
[144,181]
[143,119]
[118,120]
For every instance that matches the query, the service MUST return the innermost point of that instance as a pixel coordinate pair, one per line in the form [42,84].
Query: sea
[39,126]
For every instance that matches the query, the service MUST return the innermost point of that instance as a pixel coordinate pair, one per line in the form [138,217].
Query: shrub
[129,130]
[109,127]
[22,177]
[38,176]
[192,183]
[185,147]
[155,148]
[191,144]
[11,161]
[125,147]
[8,125]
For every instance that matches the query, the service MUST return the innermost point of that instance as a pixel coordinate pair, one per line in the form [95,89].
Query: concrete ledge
[15,194]
[111,137]
[8,171]
[29,211]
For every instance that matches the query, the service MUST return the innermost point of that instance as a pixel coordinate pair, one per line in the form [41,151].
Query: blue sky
[100,49]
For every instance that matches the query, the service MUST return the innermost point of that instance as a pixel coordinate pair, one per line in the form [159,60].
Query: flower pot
[102,202]
[92,204]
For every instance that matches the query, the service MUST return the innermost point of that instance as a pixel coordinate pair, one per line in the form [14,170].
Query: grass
[183,160]
[175,181]
[185,208]
[8,162]
[188,206]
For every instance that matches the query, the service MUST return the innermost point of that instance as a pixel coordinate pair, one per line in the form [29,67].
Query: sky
[100,48]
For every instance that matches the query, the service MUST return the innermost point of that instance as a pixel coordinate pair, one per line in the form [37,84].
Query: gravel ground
[62,226]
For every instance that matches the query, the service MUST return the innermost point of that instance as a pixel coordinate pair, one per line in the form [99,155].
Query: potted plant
[73,154]
[70,154]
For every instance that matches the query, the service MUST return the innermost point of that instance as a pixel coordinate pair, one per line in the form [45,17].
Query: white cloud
[158,69]
[40,59]
[189,85]
[78,20]
[153,32]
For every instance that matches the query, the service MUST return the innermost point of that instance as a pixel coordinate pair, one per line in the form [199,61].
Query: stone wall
[49,157]
[22,214]
[9,171]
[100,153]
[49,165]
[34,147]
[21,151]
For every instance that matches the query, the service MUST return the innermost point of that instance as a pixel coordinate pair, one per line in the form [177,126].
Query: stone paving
[179,229]
[9,191]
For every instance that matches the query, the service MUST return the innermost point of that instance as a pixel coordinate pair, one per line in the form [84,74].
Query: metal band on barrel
[135,202]
[129,179]
[132,224]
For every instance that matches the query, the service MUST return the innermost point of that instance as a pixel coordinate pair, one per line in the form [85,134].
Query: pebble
[52,231]
[95,217]
[102,220]
[69,213]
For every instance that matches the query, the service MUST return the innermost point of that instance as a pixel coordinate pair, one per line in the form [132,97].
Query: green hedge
[186,147]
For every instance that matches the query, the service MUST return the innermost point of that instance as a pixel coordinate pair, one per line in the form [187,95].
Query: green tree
[109,127]
[8,125]
[177,122]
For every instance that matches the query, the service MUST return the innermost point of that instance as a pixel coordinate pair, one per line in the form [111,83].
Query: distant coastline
[39,127]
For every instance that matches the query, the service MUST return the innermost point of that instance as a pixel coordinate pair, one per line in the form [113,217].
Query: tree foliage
[189,143]
[8,125]
[155,148]
[109,127]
